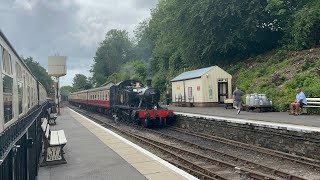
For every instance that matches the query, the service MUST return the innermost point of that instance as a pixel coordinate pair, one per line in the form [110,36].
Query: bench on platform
[312,103]
[52,117]
[54,141]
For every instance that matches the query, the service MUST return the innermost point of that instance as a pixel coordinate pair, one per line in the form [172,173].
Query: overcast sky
[73,28]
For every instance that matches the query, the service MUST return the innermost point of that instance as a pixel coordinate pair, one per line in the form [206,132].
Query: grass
[278,75]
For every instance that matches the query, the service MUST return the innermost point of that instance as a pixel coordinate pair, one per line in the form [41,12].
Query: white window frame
[1,91]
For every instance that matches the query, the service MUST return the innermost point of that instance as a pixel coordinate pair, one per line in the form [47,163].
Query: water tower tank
[57,66]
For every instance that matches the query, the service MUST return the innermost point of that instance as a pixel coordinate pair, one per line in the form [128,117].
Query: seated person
[300,101]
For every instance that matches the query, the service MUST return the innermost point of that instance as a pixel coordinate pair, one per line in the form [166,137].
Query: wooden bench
[52,117]
[54,141]
[312,103]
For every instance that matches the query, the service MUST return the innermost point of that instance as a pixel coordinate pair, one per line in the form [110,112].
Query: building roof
[192,74]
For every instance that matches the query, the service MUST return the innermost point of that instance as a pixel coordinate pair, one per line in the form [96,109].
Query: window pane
[28,98]
[7,98]
[20,96]
[18,72]
[1,53]
[6,62]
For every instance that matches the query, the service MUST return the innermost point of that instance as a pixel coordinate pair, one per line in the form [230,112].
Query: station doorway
[222,92]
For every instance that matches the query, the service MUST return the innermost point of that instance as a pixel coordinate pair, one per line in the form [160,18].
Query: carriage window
[20,86]
[7,97]
[6,60]
[1,53]
[28,97]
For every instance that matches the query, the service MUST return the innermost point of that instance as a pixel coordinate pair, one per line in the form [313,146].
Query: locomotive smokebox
[151,95]
[149,82]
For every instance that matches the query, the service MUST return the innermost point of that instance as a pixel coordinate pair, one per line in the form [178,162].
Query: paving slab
[87,156]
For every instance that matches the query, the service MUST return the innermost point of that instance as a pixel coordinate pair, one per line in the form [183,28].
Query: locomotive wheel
[145,123]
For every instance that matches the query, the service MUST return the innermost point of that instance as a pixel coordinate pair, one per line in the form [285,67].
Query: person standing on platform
[167,99]
[237,100]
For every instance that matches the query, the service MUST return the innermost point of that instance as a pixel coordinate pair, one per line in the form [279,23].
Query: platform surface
[275,117]
[94,153]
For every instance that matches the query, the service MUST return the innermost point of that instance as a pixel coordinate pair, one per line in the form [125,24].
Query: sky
[72,28]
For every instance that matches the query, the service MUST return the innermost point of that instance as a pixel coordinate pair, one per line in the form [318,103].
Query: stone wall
[305,144]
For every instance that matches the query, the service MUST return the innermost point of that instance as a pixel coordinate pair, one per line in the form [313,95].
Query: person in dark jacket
[167,99]
[237,99]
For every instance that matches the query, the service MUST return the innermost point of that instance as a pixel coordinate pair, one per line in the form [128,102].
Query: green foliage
[80,81]
[114,51]
[189,34]
[66,89]
[306,26]
[281,92]
[40,73]
[131,70]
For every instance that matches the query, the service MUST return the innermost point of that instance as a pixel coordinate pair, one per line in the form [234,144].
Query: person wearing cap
[300,101]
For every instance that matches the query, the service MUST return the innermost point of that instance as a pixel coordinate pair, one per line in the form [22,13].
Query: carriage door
[222,90]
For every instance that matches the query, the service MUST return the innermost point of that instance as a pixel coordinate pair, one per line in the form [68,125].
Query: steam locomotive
[129,100]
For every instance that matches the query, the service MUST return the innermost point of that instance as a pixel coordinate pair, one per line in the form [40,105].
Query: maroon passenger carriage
[129,100]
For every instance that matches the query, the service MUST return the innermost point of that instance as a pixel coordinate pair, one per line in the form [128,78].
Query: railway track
[202,166]
[293,158]
[240,162]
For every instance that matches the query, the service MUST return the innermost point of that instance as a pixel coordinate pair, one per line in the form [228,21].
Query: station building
[202,87]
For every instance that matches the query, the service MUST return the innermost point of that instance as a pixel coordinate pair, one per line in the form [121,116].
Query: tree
[114,51]
[305,31]
[79,81]
[135,69]
[66,89]
[40,73]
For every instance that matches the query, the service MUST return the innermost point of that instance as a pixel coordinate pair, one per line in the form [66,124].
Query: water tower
[57,68]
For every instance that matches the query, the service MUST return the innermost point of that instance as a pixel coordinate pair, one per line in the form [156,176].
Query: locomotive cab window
[7,86]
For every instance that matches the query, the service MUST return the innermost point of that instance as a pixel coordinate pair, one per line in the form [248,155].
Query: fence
[20,147]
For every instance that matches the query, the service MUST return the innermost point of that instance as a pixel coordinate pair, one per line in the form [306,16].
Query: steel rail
[246,146]
[233,158]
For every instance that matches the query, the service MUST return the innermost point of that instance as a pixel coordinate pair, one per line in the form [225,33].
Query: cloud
[73,28]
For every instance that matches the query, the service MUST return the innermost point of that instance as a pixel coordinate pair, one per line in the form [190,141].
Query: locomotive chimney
[149,81]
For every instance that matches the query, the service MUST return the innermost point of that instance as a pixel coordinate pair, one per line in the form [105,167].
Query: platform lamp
[57,68]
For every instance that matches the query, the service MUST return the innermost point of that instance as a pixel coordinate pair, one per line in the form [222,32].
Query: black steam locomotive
[132,100]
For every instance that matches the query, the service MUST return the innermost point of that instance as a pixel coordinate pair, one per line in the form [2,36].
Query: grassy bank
[278,74]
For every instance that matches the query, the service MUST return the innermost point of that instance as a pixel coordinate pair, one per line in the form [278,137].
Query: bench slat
[313,102]
[44,124]
[307,106]
[54,138]
[62,137]
[47,131]
[313,99]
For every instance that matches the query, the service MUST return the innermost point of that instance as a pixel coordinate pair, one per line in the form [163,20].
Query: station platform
[303,123]
[93,152]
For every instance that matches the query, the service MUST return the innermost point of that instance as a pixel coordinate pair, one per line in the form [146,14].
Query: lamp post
[58,96]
